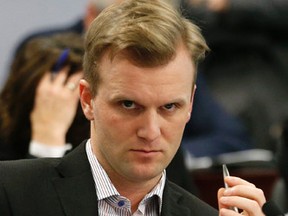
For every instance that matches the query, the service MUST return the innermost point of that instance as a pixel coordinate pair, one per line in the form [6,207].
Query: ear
[191,103]
[86,99]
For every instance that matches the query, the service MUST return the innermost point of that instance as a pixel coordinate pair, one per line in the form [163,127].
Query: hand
[217,5]
[54,108]
[211,5]
[241,194]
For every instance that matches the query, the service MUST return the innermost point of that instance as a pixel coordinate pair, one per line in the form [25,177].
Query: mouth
[146,152]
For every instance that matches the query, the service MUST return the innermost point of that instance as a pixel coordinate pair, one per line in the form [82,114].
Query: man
[139,81]
[41,147]
[210,132]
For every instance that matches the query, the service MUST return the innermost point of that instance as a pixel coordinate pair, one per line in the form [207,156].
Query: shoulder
[42,170]
[187,201]
[27,181]
[20,170]
[27,184]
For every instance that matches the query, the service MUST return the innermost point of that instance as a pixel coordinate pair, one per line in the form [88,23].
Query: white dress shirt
[111,203]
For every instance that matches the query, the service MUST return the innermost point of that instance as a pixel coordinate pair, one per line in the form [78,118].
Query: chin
[147,174]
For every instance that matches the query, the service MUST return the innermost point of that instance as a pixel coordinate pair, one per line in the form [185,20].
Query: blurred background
[246,72]
[18,18]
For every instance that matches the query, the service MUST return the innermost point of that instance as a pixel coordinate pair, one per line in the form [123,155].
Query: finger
[221,205]
[219,195]
[73,81]
[233,181]
[227,212]
[247,191]
[224,209]
[45,82]
[61,77]
[75,78]
[250,207]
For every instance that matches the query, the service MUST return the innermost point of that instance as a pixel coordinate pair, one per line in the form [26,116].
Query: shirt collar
[104,186]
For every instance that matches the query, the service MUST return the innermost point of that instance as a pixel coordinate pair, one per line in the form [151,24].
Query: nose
[149,126]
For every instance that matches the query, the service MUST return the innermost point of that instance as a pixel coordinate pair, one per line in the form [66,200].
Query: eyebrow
[120,97]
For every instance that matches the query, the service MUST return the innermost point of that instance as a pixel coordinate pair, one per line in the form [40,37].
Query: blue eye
[128,104]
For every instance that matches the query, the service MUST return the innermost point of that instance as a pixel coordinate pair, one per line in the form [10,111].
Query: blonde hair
[149,31]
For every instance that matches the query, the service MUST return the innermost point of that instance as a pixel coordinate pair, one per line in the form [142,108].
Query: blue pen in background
[60,62]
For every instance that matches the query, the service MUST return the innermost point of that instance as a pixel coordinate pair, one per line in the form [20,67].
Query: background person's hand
[212,5]
[54,108]
[243,195]
[217,5]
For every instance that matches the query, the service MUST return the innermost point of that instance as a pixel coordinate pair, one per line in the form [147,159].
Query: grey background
[18,18]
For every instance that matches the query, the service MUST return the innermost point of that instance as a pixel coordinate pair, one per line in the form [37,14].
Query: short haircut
[149,31]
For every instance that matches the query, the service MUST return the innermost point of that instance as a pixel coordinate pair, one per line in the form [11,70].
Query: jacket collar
[171,202]
[75,186]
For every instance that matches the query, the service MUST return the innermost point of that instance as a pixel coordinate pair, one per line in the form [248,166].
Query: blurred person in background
[247,69]
[40,113]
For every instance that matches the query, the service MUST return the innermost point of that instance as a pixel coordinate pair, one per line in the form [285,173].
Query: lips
[145,151]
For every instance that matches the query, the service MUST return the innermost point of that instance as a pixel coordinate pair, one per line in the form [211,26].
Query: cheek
[112,125]
[173,130]
[114,121]
[175,133]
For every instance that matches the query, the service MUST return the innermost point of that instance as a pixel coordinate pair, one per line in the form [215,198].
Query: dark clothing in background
[247,68]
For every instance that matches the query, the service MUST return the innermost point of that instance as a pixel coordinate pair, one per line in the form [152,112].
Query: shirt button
[121,203]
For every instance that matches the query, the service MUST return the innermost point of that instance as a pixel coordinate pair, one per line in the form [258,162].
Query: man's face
[139,114]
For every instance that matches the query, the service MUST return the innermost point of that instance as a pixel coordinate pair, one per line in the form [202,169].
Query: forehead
[121,77]
[180,63]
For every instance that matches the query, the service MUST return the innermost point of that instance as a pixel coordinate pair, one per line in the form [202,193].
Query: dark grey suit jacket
[65,186]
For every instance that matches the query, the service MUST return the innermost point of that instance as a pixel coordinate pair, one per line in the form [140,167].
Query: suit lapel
[171,203]
[75,187]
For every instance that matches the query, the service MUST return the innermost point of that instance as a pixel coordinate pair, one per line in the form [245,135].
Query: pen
[225,174]
[60,62]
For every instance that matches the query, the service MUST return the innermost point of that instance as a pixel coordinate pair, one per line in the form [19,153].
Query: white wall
[18,18]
